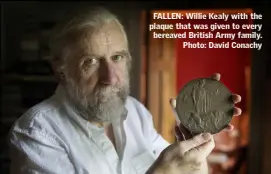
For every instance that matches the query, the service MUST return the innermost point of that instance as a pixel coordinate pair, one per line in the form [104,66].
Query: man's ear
[58,69]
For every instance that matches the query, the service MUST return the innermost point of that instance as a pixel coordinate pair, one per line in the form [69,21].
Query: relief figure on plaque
[201,99]
[216,117]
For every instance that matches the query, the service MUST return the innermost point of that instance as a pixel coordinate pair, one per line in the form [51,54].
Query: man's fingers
[216,76]
[172,102]
[179,134]
[199,153]
[182,133]
[230,127]
[236,98]
[237,111]
[195,142]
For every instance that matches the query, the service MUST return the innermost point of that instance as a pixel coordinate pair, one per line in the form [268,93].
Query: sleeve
[157,141]
[33,151]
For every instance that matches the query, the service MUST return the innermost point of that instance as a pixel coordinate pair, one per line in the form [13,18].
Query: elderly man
[91,124]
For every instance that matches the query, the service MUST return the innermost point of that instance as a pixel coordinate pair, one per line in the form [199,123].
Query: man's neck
[100,124]
[108,129]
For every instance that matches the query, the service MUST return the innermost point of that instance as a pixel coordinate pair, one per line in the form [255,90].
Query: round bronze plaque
[205,105]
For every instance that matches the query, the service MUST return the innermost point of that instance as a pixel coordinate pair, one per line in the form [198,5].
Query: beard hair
[105,104]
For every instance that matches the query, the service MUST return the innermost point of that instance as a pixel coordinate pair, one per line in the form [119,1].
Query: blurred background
[160,69]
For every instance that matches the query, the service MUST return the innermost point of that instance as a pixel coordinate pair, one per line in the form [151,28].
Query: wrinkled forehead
[103,41]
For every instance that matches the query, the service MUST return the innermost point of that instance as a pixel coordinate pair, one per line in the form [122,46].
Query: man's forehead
[107,39]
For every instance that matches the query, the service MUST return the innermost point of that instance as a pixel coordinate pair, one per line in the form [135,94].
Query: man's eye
[117,58]
[92,61]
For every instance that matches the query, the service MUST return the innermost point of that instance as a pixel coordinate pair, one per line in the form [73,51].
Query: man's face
[97,73]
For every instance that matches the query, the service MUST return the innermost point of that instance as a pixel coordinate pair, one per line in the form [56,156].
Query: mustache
[100,89]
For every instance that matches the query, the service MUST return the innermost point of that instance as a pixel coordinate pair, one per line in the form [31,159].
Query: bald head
[90,51]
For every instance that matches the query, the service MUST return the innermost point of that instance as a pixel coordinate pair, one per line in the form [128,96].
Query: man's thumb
[197,141]
[200,152]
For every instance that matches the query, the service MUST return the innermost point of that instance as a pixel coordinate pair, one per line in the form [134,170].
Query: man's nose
[107,74]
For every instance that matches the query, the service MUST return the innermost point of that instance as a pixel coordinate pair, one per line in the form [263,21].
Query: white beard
[105,104]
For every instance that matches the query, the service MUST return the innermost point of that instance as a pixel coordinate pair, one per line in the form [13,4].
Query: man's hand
[185,156]
[189,153]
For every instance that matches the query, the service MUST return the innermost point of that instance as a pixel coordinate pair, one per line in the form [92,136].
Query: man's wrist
[156,168]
